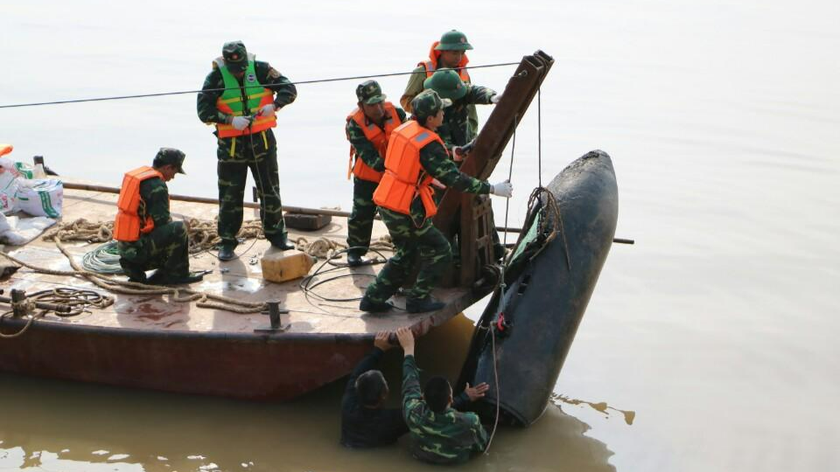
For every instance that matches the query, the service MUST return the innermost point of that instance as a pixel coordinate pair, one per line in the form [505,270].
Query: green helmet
[447,84]
[453,41]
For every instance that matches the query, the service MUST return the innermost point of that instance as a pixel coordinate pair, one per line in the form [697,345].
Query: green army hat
[235,55]
[453,41]
[428,103]
[447,84]
[170,156]
[370,93]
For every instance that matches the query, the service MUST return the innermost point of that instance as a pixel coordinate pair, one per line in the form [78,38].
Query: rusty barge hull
[154,342]
[236,366]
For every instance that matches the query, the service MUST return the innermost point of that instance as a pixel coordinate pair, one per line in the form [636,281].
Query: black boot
[226,253]
[164,279]
[422,305]
[185,279]
[282,243]
[134,272]
[354,260]
[371,306]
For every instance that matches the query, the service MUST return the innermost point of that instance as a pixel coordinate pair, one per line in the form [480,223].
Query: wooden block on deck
[305,221]
[283,266]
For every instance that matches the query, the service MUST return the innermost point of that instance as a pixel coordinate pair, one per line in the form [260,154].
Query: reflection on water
[721,119]
[602,407]
[69,426]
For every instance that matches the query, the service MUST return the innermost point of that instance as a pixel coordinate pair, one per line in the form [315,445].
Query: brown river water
[710,344]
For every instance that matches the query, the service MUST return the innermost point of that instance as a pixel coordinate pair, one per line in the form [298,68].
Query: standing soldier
[449,52]
[368,129]
[238,96]
[147,238]
[455,130]
[416,156]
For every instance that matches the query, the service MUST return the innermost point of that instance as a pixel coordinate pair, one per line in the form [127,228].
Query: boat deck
[308,315]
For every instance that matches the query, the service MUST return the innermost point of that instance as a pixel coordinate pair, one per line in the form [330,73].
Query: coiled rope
[78,300]
[180,295]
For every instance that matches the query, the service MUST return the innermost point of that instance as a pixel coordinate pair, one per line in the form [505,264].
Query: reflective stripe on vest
[127,225]
[377,136]
[434,59]
[404,177]
[232,103]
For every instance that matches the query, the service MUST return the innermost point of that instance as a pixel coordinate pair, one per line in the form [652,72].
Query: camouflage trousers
[165,248]
[257,152]
[425,245]
[360,223]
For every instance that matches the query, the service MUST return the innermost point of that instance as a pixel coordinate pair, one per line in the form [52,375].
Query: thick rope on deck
[324,248]
[202,235]
[181,295]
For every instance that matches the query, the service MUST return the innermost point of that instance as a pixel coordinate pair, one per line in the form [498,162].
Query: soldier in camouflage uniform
[165,248]
[439,433]
[373,108]
[456,131]
[243,127]
[414,236]
[449,52]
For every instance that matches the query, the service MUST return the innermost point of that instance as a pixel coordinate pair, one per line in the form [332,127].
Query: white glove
[495,98]
[267,110]
[240,122]
[458,154]
[502,189]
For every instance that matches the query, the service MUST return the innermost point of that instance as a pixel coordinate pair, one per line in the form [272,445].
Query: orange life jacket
[434,59]
[377,136]
[404,177]
[127,225]
[231,101]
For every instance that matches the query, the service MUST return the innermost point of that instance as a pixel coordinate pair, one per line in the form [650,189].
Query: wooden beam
[494,136]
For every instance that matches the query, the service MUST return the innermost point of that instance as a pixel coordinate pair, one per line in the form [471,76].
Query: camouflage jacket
[285,91]
[456,129]
[436,162]
[364,148]
[155,201]
[441,438]
[415,86]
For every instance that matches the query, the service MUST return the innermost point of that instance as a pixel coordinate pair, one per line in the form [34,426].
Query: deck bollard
[275,323]
[18,308]
[274,314]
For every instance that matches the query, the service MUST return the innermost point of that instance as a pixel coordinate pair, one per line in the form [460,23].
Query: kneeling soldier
[146,235]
